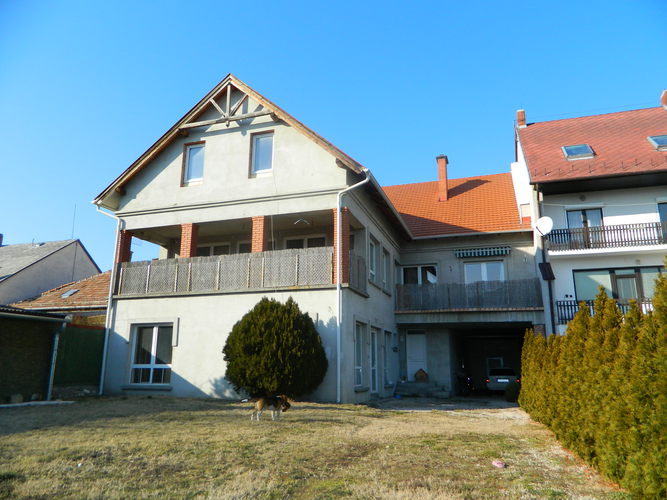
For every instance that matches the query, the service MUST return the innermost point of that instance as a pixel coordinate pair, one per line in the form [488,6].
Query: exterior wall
[68,264]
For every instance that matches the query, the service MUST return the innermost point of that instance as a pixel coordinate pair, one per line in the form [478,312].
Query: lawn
[184,448]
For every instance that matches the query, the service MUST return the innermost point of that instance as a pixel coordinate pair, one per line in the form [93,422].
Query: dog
[277,405]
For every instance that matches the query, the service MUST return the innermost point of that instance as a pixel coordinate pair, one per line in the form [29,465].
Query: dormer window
[659,142]
[193,163]
[578,152]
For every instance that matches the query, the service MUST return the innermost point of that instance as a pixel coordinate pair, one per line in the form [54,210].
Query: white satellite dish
[544,225]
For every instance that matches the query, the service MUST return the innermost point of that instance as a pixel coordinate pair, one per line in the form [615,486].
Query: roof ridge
[450,179]
[591,116]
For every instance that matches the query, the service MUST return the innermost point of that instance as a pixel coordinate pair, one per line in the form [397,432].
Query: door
[416,353]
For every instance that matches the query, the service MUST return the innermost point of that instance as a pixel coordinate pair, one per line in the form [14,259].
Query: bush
[275,349]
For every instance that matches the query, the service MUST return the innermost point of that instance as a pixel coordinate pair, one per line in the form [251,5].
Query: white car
[500,378]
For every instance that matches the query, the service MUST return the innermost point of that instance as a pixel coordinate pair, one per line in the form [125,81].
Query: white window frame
[419,268]
[386,269]
[484,270]
[304,239]
[152,366]
[374,359]
[187,180]
[253,141]
[372,259]
[387,351]
[359,340]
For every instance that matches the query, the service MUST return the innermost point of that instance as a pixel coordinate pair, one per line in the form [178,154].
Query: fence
[566,309]
[273,269]
[514,294]
[79,357]
[622,235]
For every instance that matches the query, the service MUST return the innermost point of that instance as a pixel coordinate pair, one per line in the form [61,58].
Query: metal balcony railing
[566,309]
[618,236]
[516,294]
[250,271]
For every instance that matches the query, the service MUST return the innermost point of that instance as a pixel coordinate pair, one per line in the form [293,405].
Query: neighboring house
[602,180]
[27,270]
[245,202]
[27,363]
[84,300]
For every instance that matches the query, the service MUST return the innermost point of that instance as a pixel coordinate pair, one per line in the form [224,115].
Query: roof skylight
[69,293]
[578,152]
[658,141]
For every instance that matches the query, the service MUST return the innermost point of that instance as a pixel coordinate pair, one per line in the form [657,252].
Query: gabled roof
[483,204]
[619,141]
[219,90]
[89,293]
[14,258]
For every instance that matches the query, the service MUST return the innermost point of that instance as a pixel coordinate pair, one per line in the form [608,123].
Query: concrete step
[424,389]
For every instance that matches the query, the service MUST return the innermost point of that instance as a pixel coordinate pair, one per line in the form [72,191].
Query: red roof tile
[92,294]
[483,204]
[619,141]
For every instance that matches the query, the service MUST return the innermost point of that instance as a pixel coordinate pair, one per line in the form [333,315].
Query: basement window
[659,142]
[578,152]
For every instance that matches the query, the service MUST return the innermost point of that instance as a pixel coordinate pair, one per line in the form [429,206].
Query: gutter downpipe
[552,319]
[54,356]
[339,292]
[112,281]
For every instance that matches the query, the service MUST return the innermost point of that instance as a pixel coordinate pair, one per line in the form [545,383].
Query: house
[601,182]
[28,340]
[27,270]
[245,201]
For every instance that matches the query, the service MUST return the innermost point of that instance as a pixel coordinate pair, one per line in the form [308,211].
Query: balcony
[566,309]
[618,236]
[480,296]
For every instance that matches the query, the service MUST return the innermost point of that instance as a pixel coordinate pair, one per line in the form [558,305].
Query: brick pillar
[123,248]
[189,234]
[345,245]
[259,236]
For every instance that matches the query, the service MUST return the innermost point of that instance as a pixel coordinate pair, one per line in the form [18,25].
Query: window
[492,270]
[375,333]
[386,358]
[244,247]
[420,275]
[658,141]
[193,168]
[307,242]
[359,330]
[622,284]
[213,249]
[69,293]
[372,259]
[261,156]
[583,224]
[386,270]
[578,152]
[151,361]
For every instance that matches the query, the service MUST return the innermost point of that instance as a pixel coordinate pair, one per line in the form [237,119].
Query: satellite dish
[544,225]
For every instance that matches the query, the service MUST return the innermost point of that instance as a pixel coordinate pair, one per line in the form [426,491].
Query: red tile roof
[92,294]
[618,140]
[483,204]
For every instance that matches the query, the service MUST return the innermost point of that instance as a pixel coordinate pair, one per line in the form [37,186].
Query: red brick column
[189,234]
[259,236]
[345,245]
[123,248]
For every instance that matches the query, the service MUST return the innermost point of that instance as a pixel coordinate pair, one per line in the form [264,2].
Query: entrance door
[416,353]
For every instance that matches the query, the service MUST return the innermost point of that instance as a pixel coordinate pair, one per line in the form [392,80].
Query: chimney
[663,99]
[521,118]
[442,177]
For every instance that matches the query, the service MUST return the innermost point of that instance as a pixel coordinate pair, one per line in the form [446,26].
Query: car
[500,378]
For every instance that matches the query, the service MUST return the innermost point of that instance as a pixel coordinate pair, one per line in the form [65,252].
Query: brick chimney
[663,99]
[442,177]
[521,118]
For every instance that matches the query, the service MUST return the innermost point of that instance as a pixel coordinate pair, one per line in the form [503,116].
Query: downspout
[544,259]
[54,356]
[339,292]
[107,326]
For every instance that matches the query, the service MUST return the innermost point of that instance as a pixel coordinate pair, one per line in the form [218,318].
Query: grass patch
[178,448]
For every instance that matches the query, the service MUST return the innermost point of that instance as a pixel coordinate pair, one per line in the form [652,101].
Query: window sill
[375,284]
[197,182]
[262,173]
[361,389]
[146,387]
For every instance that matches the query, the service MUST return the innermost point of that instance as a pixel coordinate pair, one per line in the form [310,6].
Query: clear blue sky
[87,86]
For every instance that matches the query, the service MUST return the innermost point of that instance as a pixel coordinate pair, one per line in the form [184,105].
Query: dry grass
[169,448]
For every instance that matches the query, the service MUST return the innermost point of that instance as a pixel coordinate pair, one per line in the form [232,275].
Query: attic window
[69,293]
[578,152]
[658,141]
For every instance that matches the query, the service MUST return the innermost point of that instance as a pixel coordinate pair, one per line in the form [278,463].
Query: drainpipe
[552,319]
[339,292]
[54,356]
[107,326]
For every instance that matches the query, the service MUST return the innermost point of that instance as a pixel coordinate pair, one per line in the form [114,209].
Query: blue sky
[87,86]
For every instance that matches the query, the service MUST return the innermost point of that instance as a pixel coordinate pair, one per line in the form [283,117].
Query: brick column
[259,237]
[345,245]
[123,248]
[189,234]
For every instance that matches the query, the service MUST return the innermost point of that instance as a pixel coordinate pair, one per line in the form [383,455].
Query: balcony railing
[566,309]
[618,236]
[517,294]
[273,269]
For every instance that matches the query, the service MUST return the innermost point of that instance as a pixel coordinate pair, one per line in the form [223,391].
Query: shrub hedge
[602,389]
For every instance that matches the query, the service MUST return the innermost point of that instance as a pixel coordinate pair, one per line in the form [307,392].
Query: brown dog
[276,404]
